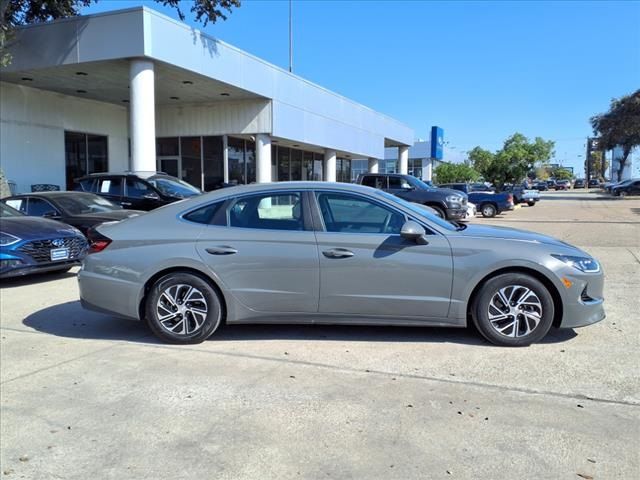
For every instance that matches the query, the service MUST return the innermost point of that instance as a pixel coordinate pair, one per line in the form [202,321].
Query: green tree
[455,172]
[599,163]
[480,159]
[620,126]
[513,161]
[562,174]
[14,13]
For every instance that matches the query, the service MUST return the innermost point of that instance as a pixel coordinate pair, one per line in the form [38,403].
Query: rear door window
[375,181]
[281,211]
[38,207]
[110,186]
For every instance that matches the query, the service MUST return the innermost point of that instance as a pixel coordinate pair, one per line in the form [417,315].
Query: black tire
[488,210]
[439,211]
[203,297]
[531,203]
[539,305]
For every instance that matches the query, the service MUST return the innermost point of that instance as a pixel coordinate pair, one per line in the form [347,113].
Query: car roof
[126,173]
[51,194]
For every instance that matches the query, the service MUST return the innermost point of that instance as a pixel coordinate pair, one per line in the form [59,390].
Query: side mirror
[51,214]
[415,232]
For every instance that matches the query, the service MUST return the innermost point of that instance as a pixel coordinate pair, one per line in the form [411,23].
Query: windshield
[419,210]
[172,187]
[7,211]
[416,182]
[82,203]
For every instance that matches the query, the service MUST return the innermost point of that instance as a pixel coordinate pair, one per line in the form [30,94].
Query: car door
[367,268]
[111,188]
[266,254]
[139,195]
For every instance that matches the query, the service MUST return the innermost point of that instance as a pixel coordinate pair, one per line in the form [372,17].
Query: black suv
[137,191]
[449,204]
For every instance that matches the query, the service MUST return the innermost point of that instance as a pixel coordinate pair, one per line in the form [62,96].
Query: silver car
[333,253]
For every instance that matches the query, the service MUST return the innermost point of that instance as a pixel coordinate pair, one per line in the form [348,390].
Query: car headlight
[454,199]
[7,239]
[584,264]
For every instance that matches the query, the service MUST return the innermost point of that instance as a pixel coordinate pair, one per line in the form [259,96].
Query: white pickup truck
[523,195]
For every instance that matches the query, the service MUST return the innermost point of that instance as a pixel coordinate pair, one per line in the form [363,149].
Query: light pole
[290,36]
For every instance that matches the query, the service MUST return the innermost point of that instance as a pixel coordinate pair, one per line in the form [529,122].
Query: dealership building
[136,90]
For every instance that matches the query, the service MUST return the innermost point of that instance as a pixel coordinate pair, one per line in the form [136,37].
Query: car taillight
[97,241]
[510,198]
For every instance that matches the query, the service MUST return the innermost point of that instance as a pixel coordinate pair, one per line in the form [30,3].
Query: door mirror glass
[414,231]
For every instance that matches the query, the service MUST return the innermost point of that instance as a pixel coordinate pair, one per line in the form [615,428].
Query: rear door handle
[338,253]
[221,250]
[125,204]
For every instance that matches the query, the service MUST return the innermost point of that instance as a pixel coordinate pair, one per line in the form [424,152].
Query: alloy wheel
[515,311]
[182,309]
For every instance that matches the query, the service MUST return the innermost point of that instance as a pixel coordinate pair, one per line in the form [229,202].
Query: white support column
[263,158]
[225,159]
[142,115]
[330,161]
[403,160]
[373,165]
[427,171]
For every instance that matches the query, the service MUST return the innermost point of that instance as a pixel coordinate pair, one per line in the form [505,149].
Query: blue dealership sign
[437,142]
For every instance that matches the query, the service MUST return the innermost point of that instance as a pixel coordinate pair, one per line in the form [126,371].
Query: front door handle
[221,250]
[338,253]
[125,204]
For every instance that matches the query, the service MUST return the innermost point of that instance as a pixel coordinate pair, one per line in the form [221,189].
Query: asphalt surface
[84,395]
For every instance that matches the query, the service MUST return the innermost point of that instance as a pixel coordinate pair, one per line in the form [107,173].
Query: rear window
[207,215]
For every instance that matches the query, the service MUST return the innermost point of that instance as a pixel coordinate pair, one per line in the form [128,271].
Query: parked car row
[58,239]
[624,188]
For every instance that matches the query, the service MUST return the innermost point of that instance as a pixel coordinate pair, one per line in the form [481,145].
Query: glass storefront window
[296,164]
[283,164]
[307,165]
[250,161]
[235,154]
[318,162]
[84,154]
[167,147]
[212,162]
[191,160]
[343,170]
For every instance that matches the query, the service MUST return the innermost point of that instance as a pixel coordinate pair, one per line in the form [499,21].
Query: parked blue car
[488,204]
[34,245]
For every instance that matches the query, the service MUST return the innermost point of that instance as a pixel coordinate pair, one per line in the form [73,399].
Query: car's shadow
[34,279]
[72,321]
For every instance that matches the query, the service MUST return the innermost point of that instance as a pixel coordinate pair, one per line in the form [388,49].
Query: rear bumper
[97,292]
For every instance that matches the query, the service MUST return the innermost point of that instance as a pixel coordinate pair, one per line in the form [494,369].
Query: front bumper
[456,213]
[24,269]
[583,303]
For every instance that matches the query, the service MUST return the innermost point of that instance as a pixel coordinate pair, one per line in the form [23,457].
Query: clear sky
[480,70]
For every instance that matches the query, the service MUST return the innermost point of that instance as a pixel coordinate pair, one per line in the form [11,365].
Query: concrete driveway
[89,396]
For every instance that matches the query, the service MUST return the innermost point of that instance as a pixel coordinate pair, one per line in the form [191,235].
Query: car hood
[506,233]
[35,227]
[109,216]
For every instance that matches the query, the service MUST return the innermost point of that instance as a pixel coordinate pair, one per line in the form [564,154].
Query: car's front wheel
[183,308]
[513,309]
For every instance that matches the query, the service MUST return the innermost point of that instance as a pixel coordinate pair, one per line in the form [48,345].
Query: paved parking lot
[88,396]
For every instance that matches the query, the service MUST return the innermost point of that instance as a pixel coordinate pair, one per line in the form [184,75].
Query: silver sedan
[335,254]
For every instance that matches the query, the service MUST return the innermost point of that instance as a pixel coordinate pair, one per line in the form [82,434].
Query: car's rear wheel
[488,210]
[513,309]
[183,308]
